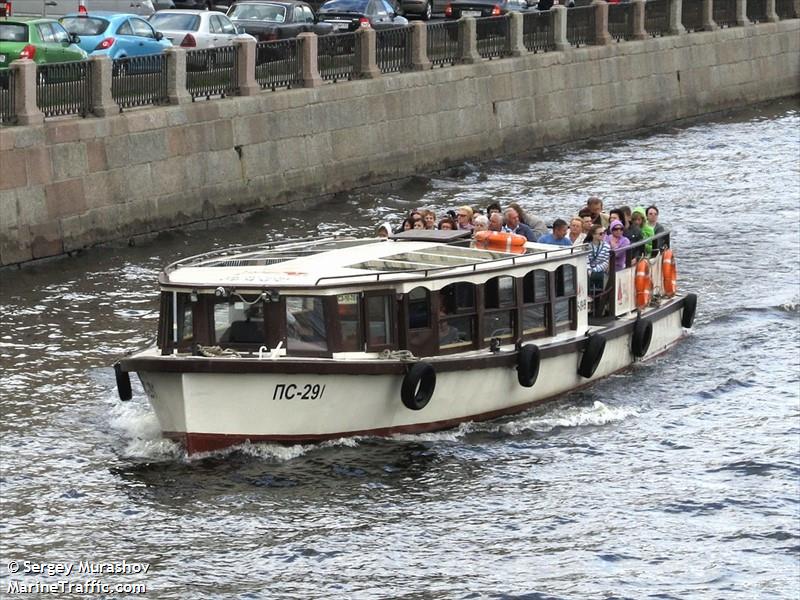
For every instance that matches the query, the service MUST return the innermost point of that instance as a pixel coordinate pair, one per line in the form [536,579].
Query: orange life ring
[501,240]
[670,272]
[644,285]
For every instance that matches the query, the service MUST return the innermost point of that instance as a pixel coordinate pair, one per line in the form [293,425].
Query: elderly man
[514,225]
[595,206]
[495,222]
[559,235]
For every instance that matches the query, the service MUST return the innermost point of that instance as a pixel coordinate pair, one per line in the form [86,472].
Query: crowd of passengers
[603,231]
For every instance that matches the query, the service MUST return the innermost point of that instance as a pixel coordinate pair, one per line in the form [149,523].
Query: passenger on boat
[419,224]
[447,224]
[595,206]
[408,224]
[652,220]
[514,225]
[598,259]
[480,223]
[635,233]
[495,221]
[429,218]
[537,225]
[586,216]
[464,218]
[576,234]
[618,242]
[559,235]
[615,214]
[384,230]
[494,207]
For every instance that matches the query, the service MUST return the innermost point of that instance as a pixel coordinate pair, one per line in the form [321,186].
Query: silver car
[196,28]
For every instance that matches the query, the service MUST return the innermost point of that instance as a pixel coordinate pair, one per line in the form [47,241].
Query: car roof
[183,11]
[103,14]
[280,2]
[27,20]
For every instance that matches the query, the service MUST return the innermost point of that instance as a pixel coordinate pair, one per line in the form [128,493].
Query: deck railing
[337,55]
[8,111]
[692,16]
[581,25]
[139,81]
[493,36]
[786,9]
[278,64]
[725,13]
[620,21]
[443,43]
[757,11]
[64,88]
[211,72]
[537,31]
[393,49]
[656,17]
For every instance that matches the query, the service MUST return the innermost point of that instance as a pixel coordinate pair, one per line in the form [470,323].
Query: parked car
[483,8]
[419,8]
[268,21]
[196,28]
[59,8]
[218,5]
[349,15]
[117,35]
[41,40]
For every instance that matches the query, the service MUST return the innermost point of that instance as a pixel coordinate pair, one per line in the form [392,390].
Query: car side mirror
[74,39]
[159,36]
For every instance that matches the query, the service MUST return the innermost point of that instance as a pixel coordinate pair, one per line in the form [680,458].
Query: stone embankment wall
[68,184]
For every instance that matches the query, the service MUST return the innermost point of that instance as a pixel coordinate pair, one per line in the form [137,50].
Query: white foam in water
[137,423]
[569,416]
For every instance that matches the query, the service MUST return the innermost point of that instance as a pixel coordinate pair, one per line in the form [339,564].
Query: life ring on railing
[123,383]
[595,346]
[644,284]
[641,338]
[669,271]
[418,386]
[501,240]
[528,361]
[689,308]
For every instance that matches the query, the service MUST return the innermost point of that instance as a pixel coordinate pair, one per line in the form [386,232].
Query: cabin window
[380,326]
[419,308]
[564,312]
[499,300]
[349,310]
[239,320]
[535,297]
[185,327]
[456,316]
[305,324]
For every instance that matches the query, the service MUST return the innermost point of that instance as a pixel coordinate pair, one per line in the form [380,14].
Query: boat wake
[140,433]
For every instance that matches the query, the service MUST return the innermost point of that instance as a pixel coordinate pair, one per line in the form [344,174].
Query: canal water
[675,479]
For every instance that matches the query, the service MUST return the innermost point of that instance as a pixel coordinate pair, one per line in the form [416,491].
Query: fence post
[25,107]
[419,46]
[741,13]
[675,14]
[468,41]
[560,40]
[366,51]
[308,60]
[176,76]
[601,35]
[772,15]
[246,66]
[638,32]
[708,16]
[516,25]
[103,104]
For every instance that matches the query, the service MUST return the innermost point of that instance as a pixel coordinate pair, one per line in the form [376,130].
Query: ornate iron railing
[393,49]
[620,21]
[139,81]
[725,13]
[211,72]
[692,15]
[443,43]
[656,17]
[337,56]
[8,111]
[278,64]
[64,88]
[493,36]
[757,11]
[581,25]
[537,31]
[785,9]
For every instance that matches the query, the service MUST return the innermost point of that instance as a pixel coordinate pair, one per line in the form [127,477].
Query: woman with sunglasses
[618,242]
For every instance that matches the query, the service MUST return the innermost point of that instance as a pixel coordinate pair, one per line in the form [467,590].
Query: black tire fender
[418,386]
[641,338]
[123,383]
[528,361]
[689,308]
[595,346]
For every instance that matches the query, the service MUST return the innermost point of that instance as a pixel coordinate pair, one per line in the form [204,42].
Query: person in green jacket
[639,217]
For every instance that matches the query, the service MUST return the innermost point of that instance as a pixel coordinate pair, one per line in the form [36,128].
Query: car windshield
[274,13]
[356,6]
[84,25]
[175,22]
[13,32]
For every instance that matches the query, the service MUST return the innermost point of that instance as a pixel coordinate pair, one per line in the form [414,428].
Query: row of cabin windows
[458,317]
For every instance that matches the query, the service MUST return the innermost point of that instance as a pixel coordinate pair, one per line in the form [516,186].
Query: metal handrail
[537,31]
[581,25]
[8,109]
[337,55]
[443,43]
[393,49]
[656,17]
[492,36]
[139,80]
[278,64]
[64,88]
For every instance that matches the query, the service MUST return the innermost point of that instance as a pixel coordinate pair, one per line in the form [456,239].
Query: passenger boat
[318,339]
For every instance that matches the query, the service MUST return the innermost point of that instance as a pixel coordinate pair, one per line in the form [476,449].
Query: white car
[196,28]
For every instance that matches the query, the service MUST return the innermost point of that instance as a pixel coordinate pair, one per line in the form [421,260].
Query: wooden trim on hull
[197,364]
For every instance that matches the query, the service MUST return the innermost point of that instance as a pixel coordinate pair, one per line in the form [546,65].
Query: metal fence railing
[656,17]
[8,109]
[757,11]
[443,43]
[620,21]
[64,88]
[337,56]
[581,25]
[786,9]
[393,49]
[139,81]
[725,13]
[537,31]
[211,72]
[692,16]
[493,36]
[278,64]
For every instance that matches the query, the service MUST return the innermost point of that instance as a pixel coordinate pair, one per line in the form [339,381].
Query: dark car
[483,8]
[267,21]
[349,15]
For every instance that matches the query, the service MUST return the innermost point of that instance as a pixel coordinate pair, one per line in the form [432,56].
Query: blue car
[115,34]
